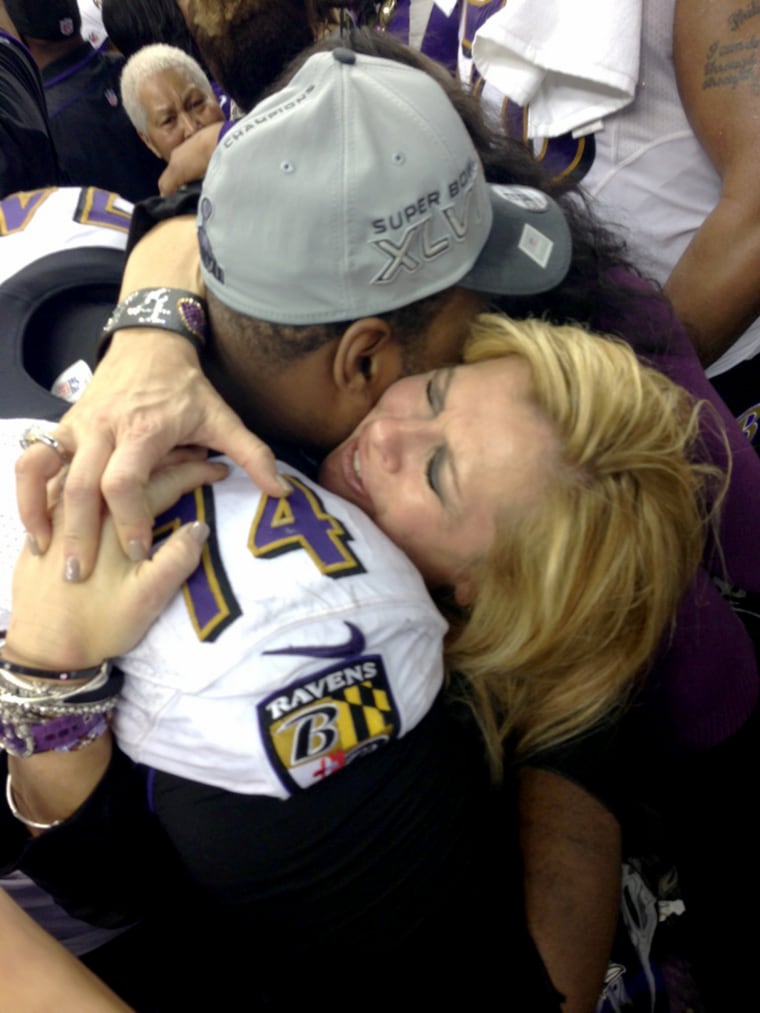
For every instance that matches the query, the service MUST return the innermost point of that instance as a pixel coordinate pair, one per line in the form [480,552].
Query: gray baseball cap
[356,190]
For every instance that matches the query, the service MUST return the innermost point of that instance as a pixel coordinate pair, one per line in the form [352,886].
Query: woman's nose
[396,441]
[187,124]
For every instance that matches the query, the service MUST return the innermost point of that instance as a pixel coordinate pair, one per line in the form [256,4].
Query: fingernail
[136,551]
[200,531]
[31,542]
[71,570]
[286,487]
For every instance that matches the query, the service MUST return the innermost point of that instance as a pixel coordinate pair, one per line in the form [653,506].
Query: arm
[107,861]
[189,160]
[59,626]
[571,856]
[148,395]
[38,973]
[714,285]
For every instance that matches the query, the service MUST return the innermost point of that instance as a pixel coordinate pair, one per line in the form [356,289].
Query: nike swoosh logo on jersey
[355,644]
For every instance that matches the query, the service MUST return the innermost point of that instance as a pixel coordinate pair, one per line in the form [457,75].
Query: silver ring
[34,435]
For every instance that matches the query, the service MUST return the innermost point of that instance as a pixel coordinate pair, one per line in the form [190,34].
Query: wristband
[170,309]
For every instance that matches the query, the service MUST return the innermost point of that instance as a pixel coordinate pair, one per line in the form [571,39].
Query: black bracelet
[101,682]
[43,673]
[170,309]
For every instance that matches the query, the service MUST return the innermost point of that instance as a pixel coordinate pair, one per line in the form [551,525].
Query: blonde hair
[574,597]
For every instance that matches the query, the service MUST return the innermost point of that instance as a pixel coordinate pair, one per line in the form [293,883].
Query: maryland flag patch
[316,726]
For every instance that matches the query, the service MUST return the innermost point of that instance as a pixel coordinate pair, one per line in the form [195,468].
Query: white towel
[572,63]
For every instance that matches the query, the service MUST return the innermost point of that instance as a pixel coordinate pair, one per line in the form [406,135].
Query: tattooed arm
[714,286]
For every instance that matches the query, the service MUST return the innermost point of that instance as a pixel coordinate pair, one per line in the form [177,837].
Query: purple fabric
[441,39]
[643,328]
[705,683]
[225,102]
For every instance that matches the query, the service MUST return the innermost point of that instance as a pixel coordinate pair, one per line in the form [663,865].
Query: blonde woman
[569,592]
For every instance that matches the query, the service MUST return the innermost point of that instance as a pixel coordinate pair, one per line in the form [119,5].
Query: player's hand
[189,160]
[58,625]
[147,397]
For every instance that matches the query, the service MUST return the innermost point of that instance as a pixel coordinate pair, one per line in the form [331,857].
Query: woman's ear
[367,359]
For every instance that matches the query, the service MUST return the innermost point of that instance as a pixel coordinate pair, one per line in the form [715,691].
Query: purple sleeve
[658,338]
[704,683]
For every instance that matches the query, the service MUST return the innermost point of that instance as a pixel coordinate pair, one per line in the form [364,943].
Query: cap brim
[529,247]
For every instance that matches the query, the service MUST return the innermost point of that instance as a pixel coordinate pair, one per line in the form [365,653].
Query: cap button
[343,55]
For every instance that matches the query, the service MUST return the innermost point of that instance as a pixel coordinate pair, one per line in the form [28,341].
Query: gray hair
[152,60]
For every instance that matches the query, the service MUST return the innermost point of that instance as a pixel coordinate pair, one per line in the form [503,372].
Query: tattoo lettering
[731,64]
[738,18]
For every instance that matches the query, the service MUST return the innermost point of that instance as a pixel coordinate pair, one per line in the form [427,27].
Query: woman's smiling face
[440,456]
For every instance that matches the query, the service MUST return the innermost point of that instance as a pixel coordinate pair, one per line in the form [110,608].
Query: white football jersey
[305,639]
[37,222]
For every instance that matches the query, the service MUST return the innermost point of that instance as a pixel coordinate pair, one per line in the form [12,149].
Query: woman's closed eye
[433,471]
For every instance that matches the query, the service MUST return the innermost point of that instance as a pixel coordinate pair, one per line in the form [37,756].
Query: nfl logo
[67,26]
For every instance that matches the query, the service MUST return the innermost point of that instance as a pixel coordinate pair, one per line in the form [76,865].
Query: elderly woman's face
[175,108]
[440,456]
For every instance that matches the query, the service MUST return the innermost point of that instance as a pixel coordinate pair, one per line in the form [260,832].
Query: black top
[96,143]
[358,887]
[27,155]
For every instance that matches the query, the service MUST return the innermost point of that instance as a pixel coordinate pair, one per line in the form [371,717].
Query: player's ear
[464,589]
[367,359]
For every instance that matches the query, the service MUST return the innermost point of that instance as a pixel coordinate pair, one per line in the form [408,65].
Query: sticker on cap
[524,197]
[536,245]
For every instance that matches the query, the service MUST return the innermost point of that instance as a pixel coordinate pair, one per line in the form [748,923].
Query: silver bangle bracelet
[13,688]
[39,713]
[33,824]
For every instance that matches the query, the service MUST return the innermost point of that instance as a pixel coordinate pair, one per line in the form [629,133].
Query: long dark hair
[132,24]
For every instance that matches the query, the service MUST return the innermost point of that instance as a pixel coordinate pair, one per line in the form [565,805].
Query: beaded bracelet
[170,309]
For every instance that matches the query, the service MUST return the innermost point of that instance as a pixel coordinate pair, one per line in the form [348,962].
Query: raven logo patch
[316,726]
